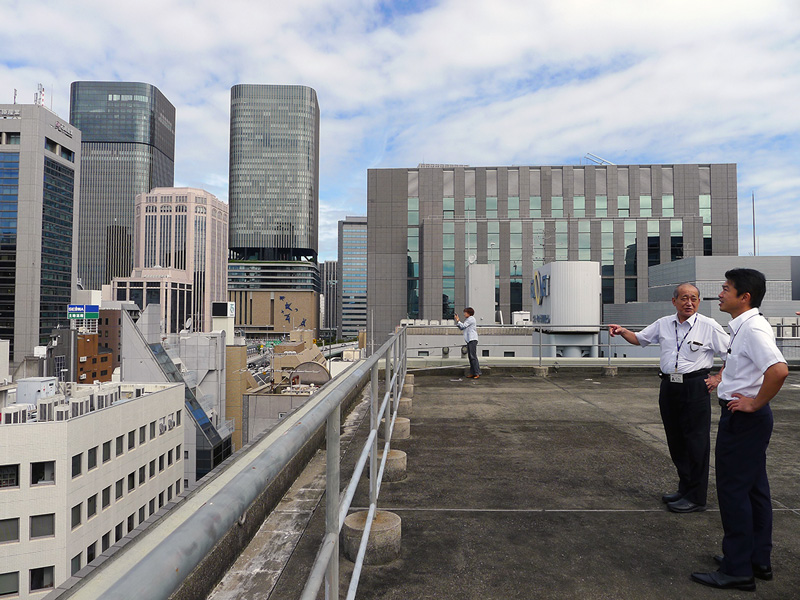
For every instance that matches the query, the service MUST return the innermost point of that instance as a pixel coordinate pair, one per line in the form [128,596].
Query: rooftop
[526,487]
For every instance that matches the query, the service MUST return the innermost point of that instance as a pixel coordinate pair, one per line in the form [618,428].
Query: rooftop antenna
[597,159]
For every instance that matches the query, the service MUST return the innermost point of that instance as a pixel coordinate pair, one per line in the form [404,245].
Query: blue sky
[455,81]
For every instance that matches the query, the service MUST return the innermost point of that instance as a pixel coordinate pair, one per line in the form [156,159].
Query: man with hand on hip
[754,373]
[689,342]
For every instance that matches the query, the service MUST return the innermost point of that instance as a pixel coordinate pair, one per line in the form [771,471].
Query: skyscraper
[274,172]
[352,300]
[128,148]
[38,197]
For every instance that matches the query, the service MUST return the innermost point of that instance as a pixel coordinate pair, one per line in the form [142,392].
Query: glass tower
[128,148]
[274,172]
[352,311]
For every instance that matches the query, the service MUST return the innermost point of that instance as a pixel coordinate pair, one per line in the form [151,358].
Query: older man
[689,342]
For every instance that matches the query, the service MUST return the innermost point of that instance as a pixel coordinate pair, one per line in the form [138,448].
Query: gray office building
[330,290]
[39,180]
[128,148]
[426,224]
[352,300]
[274,172]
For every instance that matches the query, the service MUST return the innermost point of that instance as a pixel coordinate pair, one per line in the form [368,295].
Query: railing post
[540,346]
[388,389]
[332,500]
[374,424]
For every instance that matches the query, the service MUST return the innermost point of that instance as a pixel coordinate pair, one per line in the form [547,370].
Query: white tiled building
[81,473]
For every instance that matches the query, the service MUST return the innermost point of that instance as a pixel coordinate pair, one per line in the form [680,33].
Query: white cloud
[465,81]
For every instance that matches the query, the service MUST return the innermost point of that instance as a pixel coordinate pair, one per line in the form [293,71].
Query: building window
[131,481]
[131,440]
[160,499]
[152,506]
[169,493]
[106,451]
[75,564]
[535,208]
[42,578]
[141,515]
[142,434]
[106,497]
[623,206]
[177,453]
[9,476]
[152,468]
[91,507]
[153,430]
[43,526]
[142,475]
[178,418]
[105,541]
[557,206]
[119,489]
[120,445]
[513,207]
[91,552]
[9,584]
[9,530]
[131,522]
[601,206]
[579,207]
[77,461]
[161,463]
[76,514]
[118,532]
[178,487]
[91,459]
[43,473]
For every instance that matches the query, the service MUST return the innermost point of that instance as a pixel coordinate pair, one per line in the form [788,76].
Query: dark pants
[743,489]
[686,414]
[472,353]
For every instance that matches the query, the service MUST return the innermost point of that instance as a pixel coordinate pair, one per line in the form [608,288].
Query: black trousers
[743,489]
[686,414]
[472,353]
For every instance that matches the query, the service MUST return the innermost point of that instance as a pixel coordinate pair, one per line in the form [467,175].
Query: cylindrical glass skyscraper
[274,172]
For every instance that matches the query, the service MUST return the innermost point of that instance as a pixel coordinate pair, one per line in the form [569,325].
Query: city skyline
[534,84]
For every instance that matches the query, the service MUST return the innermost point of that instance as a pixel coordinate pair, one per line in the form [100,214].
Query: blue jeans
[472,353]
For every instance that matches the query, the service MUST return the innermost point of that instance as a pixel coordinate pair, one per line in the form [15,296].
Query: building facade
[274,172]
[39,183]
[170,289]
[330,291]
[426,224]
[128,148]
[273,298]
[185,229]
[90,469]
[352,298]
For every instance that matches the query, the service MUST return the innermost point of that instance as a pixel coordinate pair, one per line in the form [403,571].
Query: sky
[483,83]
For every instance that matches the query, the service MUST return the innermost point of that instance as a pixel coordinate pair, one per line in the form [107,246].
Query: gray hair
[687,284]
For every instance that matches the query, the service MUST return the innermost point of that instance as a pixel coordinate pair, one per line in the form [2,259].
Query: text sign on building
[83,311]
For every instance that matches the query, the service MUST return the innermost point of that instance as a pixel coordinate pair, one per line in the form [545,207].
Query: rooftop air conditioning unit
[82,359]
[62,413]
[82,377]
[14,415]
[162,428]
[171,423]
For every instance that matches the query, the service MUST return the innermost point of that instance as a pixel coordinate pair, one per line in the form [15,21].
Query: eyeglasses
[692,299]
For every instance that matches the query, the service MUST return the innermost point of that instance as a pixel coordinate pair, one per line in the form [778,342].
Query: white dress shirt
[470,328]
[752,352]
[686,347]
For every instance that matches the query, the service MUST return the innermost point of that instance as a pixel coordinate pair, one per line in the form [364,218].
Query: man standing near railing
[689,342]
[470,329]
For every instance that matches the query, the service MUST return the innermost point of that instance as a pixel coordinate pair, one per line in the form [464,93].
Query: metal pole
[540,346]
[374,424]
[332,500]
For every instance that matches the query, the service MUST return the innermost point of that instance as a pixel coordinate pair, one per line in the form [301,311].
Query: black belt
[692,375]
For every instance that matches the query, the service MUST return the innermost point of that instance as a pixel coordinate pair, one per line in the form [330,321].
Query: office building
[352,300]
[39,182]
[425,225]
[90,468]
[274,172]
[169,290]
[128,148]
[184,229]
[330,291]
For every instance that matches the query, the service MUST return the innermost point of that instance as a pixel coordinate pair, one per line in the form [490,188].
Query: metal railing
[326,563]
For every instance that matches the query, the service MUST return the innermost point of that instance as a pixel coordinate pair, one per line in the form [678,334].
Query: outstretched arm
[626,334]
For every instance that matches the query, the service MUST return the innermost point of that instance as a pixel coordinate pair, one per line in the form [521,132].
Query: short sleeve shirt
[752,352]
[688,346]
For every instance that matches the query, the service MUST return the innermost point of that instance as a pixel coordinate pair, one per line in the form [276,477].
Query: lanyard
[735,333]
[680,344]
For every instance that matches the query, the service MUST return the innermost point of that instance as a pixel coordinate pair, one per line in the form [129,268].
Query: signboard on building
[83,311]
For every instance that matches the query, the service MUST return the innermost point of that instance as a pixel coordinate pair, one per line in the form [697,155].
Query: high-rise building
[330,291]
[274,172]
[39,182]
[352,300]
[426,224]
[184,229]
[128,148]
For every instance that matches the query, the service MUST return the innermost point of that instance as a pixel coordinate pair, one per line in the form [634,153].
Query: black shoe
[674,497]
[759,571]
[720,580]
[685,506]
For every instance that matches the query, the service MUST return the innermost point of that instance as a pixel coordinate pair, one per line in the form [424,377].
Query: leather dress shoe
[674,497]
[759,571]
[719,580]
[685,506]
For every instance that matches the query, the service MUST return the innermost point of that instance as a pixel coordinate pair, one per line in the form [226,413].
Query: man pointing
[689,342]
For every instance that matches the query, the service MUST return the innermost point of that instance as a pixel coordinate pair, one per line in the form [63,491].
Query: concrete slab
[523,487]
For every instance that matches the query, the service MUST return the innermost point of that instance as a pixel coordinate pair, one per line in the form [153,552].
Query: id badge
[676,377]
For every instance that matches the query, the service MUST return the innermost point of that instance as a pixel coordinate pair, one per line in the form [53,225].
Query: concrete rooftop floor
[524,487]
